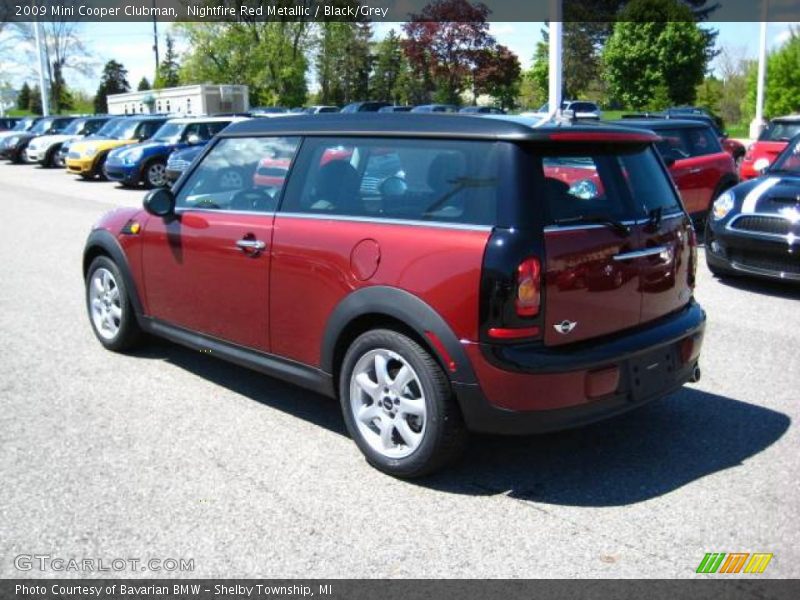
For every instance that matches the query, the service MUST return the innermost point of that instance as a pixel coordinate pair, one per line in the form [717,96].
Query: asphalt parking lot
[169,453]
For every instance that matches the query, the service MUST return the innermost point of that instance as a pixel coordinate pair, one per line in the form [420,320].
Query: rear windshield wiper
[617,226]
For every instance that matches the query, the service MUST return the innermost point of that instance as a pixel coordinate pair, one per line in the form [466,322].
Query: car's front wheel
[155,174]
[398,405]
[109,306]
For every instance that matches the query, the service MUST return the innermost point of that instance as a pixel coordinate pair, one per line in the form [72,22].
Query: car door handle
[251,247]
[695,171]
[641,253]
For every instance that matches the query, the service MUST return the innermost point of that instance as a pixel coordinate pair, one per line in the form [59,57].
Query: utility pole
[556,34]
[42,87]
[757,125]
[155,38]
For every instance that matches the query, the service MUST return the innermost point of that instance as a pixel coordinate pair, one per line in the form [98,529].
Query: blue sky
[130,44]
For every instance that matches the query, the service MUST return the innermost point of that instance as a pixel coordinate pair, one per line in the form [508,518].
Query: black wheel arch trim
[104,240]
[401,305]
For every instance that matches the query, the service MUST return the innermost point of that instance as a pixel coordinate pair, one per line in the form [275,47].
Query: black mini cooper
[754,228]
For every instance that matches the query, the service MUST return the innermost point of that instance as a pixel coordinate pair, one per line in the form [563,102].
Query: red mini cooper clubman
[436,274]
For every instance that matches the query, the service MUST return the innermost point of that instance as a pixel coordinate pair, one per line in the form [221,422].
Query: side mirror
[193,139]
[160,202]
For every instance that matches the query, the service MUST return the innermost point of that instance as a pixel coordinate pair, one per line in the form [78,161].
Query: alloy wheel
[106,304]
[388,403]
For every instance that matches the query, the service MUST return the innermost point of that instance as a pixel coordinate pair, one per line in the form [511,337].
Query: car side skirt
[269,364]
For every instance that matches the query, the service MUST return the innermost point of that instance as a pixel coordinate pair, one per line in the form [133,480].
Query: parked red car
[700,167]
[770,143]
[436,277]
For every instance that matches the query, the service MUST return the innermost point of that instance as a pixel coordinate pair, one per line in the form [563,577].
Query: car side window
[420,180]
[215,127]
[92,126]
[198,129]
[702,141]
[672,145]
[240,174]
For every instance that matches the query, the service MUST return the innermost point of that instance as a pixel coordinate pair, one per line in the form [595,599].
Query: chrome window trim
[388,221]
[227,211]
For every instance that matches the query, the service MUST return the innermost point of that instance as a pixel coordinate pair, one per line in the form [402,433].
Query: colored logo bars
[720,562]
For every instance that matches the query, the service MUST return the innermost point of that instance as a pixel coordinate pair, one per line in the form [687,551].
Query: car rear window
[780,131]
[627,183]
[421,180]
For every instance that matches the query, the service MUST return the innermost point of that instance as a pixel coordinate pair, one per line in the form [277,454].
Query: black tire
[87,176]
[128,334]
[50,158]
[444,436]
[98,167]
[147,176]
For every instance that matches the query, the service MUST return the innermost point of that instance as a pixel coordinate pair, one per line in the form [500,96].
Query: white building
[203,99]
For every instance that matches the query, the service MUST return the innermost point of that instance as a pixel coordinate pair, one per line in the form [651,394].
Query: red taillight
[528,287]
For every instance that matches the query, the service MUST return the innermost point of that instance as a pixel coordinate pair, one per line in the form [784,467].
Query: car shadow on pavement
[643,454]
[291,399]
[646,453]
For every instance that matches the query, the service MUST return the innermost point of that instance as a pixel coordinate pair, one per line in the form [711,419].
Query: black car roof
[657,123]
[426,125]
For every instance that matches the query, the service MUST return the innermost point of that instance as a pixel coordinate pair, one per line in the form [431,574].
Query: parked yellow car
[86,158]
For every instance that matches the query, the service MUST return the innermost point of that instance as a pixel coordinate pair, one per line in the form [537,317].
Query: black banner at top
[383,10]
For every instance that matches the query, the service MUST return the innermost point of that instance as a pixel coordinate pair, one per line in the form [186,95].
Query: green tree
[35,103]
[144,85]
[782,91]
[343,61]
[709,94]
[269,57]
[168,74]
[391,70]
[655,42]
[60,96]
[113,81]
[24,97]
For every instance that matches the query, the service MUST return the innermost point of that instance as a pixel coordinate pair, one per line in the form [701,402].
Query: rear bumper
[539,389]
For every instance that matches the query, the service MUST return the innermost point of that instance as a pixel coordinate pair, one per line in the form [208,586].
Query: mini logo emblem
[565,327]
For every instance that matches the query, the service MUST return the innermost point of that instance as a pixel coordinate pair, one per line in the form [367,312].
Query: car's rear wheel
[155,174]
[398,405]
[110,310]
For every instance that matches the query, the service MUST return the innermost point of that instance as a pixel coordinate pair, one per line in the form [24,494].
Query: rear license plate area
[653,372]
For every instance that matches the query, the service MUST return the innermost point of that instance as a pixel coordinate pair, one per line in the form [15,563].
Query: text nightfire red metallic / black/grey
[437,275]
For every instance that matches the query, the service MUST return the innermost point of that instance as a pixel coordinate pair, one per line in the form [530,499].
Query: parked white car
[581,109]
[44,149]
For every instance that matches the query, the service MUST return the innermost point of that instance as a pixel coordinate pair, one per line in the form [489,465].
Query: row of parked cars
[154,150]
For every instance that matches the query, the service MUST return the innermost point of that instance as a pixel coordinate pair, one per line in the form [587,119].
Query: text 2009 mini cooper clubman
[438,274]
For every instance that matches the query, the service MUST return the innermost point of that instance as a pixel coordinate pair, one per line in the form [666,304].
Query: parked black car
[7,123]
[13,147]
[356,107]
[395,108]
[482,110]
[754,228]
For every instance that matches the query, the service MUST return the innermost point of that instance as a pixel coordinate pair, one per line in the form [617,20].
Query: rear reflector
[528,287]
[502,333]
[602,382]
[443,353]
